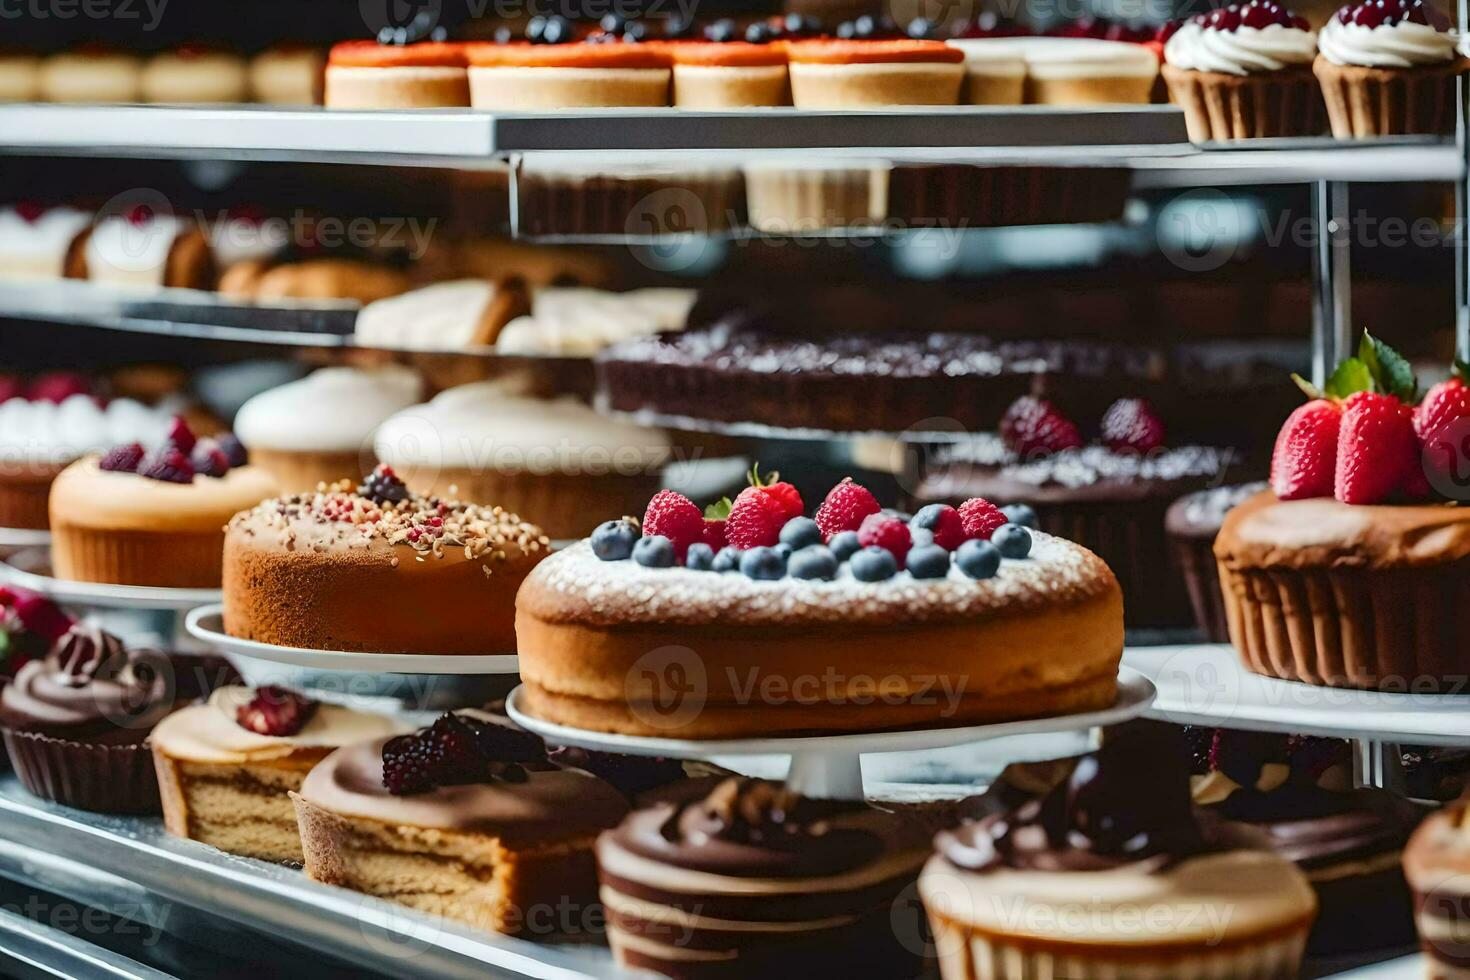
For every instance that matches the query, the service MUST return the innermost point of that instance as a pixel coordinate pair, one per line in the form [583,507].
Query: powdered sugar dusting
[1089,465]
[576,586]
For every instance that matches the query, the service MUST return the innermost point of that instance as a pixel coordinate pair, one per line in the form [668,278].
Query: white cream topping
[486,428]
[579,322]
[44,431]
[1242,51]
[1400,45]
[122,253]
[38,249]
[335,409]
[984,58]
[209,732]
[238,240]
[444,316]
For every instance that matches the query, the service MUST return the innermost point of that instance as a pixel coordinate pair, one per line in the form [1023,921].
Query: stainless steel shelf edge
[29,948]
[282,902]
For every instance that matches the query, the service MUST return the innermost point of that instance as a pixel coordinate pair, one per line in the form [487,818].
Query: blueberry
[699,556]
[614,540]
[1021,514]
[846,31]
[721,31]
[864,26]
[928,517]
[920,536]
[801,24]
[654,551]
[762,563]
[896,514]
[677,27]
[813,561]
[874,564]
[535,29]
[783,549]
[504,35]
[920,28]
[800,532]
[844,544]
[613,23]
[928,561]
[728,560]
[635,32]
[558,30]
[978,559]
[1012,541]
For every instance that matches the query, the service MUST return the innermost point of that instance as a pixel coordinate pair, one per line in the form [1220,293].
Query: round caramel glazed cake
[614,646]
[377,570]
[126,529]
[1349,596]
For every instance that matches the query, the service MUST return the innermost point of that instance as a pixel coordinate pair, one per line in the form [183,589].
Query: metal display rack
[109,861]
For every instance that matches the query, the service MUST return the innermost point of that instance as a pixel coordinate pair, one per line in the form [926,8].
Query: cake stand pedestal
[830,766]
[23,537]
[412,681]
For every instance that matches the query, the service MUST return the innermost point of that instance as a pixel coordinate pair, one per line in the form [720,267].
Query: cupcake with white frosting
[1388,68]
[142,249]
[320,429]
[37,242]
[557,459]
[1243,72]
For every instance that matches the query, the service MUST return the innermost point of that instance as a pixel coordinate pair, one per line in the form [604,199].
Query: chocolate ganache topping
[90,686]
[1122,805]
[760,829]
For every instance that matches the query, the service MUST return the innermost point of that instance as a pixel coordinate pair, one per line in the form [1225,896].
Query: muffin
[1113,874]
[732,75]
[76,723]
[194,74]
[226,768]
[456,820]
[38,242]
[1244,71]
[830,74]
[377,569]
[1437,866]
[1388,70]
[320,429]
[369,75]
[1109,497]
[755,880]
[152,516]
[1191,524]
[556,459]
[39,439]
[529,77]
[1349,842]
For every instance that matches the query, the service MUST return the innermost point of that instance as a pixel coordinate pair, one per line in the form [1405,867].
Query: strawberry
[981,518]
[1032,425]
[1443,436]
[845,507]
[1442,404]
[1303,461]
[1375,448]
[675,517]
[784,493]
[888,533]
[755,519]
[1130,426]
[714,534]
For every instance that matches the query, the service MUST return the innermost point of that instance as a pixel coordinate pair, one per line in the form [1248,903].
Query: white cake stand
[23,537]
[830,766]
[416,680]
[31,569]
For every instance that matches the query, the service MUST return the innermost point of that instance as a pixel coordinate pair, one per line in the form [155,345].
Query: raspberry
[209,460]
[888,533]
[675,517]
[181,436]
[714,534]
[945,523]
[275,711]
[122,459]
[981,518]
[167,463]
[36,613]
[58,386]
[755,519]
[383,486]
[1130,425]
[845,507]
[1033,426]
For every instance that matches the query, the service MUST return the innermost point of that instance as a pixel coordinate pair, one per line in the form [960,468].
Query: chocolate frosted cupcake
[1110,497]
[464,819]
[754,880]
[76,723]
[1112,875]
[1191,524]
[1348,842]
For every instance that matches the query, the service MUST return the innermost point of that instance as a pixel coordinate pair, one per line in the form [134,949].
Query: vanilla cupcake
[194,75]
[41,243]
[1244,71]
[320,429]
[558,460]
[579,322]
[1388,70]
[144,250]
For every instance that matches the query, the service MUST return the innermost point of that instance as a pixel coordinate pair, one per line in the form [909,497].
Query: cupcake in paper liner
[76,723]
[1388,68]
[1243,72]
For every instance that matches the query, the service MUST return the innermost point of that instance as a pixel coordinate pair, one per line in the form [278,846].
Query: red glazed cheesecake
[831,74]
[369,75]
[712,75]
[564,76]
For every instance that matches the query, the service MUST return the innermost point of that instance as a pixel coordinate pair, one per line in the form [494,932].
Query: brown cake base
[241,808]
[1365,102]
[24,490]
[1219,106]
[172,559]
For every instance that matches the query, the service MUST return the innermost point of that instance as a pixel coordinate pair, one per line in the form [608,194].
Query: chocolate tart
[754,880]
[1349,596]
[76,724]
[1191,524]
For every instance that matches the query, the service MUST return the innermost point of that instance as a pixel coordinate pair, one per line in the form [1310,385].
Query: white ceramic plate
[31,569]
[23,537]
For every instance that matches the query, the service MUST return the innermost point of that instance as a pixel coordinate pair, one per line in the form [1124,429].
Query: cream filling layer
[624,864]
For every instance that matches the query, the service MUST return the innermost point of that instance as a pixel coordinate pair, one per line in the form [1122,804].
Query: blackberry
[167,463]
[383,487]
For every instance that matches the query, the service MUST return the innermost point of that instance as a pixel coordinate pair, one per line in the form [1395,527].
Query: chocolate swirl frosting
[760,829]
[90,686]
[1123,805]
